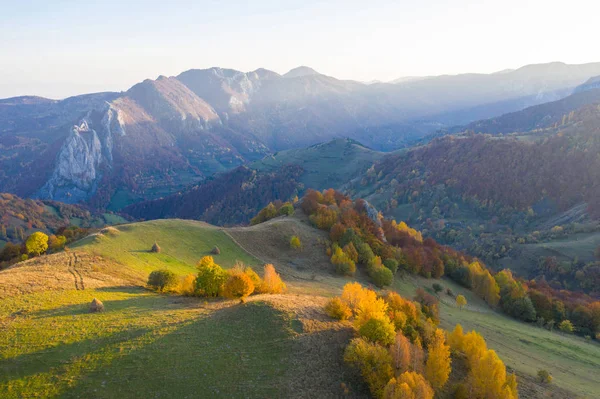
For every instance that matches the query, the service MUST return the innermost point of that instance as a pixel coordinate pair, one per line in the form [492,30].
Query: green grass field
[182,243]
[572,361]
[144,345]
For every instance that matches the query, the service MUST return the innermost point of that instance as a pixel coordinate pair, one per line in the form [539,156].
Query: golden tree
[487,378]
[338,309]
[238,285]
[456,338]
[409,385]
[461,301]
[437,368]
[272,283]
[37,243]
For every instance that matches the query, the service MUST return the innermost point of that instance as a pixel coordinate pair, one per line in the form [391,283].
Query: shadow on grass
[42,361]
[244,350]
[144,303]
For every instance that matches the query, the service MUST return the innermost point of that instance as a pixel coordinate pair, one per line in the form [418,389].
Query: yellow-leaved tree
[456,338]
[488,378]
[408,385]
[437,368]
[271,282]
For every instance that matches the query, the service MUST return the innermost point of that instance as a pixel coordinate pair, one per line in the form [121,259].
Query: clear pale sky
[61,48]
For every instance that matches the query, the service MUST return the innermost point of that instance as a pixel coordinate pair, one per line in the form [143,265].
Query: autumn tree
[408,385]
[400,352]
[350,250]
[373,361]
[238,285]
[343,263]
[437,368]
[272,282]
[461,301]
[456,339]
[380,331]
[487,378]
[338,309]
[210,278]
[37,243]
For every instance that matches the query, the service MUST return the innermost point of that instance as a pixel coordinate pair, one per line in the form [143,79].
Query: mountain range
[110,150]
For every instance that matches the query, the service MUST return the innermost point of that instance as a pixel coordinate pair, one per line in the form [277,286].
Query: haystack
[96,306]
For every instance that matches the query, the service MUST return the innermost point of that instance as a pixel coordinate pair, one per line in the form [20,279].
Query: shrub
[155,248]
[566,326]
[56,243]
[338,309]
[238,285]
[379,331]
[187,285]
[37,243]
[544,376]
[215,251]
[295,243]
[252,274]
[162,280]
[461,301]
[391,264]
[449,292]
[381,276]
[211,277]
[267,213]
[272,283]
[437,288]
[286,209]
[343,264]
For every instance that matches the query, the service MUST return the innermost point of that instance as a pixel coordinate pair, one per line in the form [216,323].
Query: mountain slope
[236,196]
[113,149]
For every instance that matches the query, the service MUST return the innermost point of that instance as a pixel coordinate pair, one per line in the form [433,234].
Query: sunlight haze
[66,48]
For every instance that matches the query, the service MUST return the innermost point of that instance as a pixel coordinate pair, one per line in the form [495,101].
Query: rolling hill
[274,345]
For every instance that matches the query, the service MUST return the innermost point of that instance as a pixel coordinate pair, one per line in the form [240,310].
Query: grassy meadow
[182,243]
[145,345]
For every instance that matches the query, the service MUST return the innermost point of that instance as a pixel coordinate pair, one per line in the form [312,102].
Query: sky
[58,49]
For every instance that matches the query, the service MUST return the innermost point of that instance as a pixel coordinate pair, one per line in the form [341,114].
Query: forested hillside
[20,217]
[526,200]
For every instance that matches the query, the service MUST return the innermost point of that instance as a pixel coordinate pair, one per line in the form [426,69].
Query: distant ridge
[300,71]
